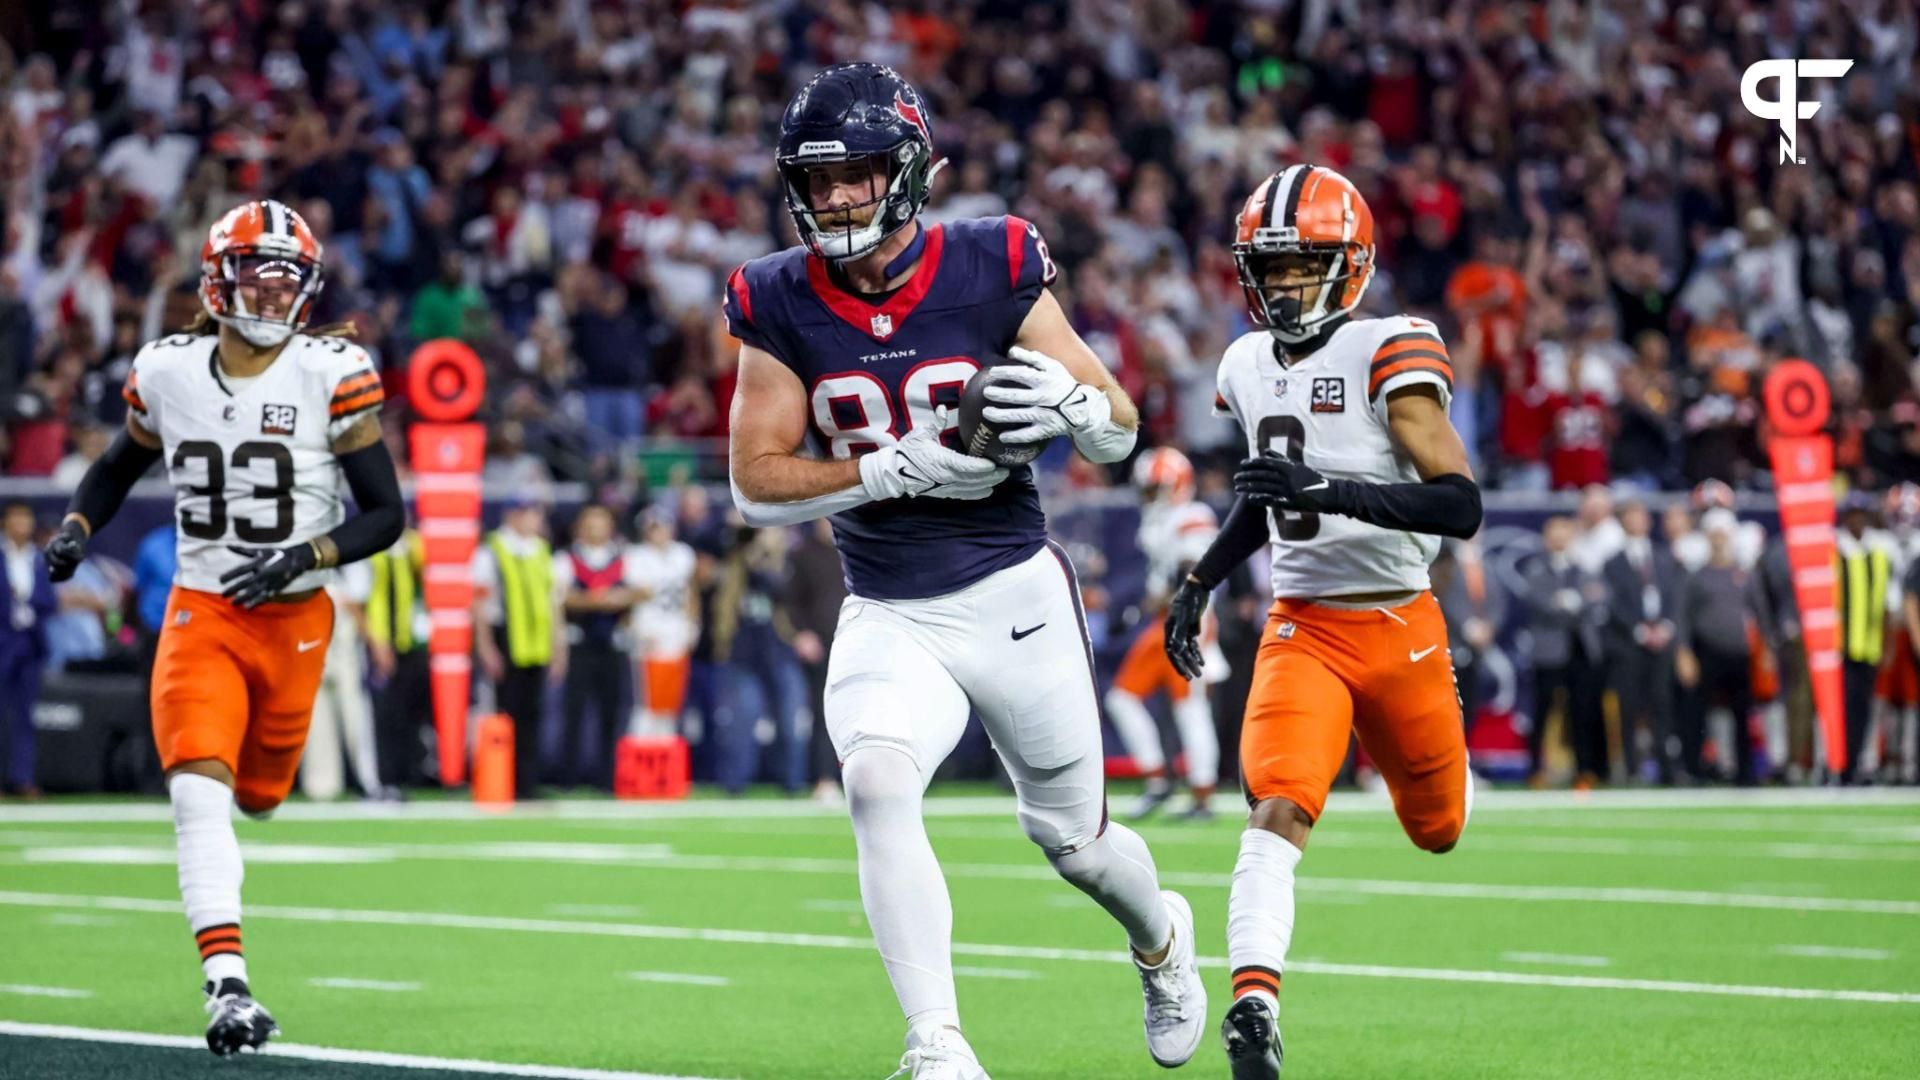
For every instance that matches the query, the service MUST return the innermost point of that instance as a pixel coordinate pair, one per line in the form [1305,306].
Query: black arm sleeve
[1443,506]
[1242,534]
[383,513]
[108,480]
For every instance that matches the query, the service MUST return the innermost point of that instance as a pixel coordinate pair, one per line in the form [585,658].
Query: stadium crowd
[1570,189]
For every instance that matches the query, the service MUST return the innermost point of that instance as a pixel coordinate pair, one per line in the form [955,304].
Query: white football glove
[1045,396]
[921,465]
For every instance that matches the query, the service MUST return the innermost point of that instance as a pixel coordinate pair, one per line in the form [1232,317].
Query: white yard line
[365,984]
[1833,952]
[43,991]
[966,806]
[327,1053]
[504,924]
[994,973]
[679,978]
[635,855]
[597,911]
[839,907]
[1556,959]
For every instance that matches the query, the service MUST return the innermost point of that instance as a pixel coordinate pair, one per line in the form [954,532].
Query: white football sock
[210,871]
[1194,718]
[1137,731]
[1260,913]
[1116,869]
[901,886]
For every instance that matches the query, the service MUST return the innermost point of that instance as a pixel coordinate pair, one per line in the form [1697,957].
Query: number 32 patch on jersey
[277,419]
[1329,395]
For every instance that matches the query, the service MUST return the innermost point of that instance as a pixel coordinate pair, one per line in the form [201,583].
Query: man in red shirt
[1580,432]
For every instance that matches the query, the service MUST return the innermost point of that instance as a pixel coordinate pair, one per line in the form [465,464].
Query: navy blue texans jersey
[876,368]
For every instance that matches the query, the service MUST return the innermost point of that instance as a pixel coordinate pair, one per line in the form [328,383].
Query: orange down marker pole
[445,382]
[1802,453]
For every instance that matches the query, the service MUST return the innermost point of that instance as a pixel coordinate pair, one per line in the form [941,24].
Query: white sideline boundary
[962,806]
[505,924]
[331,1054]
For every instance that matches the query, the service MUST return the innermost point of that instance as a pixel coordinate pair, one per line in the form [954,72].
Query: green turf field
[1683,935]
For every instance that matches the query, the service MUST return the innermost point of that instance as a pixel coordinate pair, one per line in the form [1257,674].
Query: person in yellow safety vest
[398,628]
[519,628]
[1865,589]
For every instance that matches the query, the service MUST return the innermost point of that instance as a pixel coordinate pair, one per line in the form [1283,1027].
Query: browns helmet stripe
[1261,207]
[1297,183]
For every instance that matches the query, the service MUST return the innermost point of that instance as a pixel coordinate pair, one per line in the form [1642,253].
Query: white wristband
[1094,432]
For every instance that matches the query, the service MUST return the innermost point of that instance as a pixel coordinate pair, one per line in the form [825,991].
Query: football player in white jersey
[1354,474]
[666,623]
[256,423]
[1175,530]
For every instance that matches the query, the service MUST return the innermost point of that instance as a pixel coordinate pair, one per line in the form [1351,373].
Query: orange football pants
[237,686]
[1146,670]
[665,683]
[1323,673]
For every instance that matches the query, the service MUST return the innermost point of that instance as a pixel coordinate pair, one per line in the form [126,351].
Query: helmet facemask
[264,295]
[1300,309]
[839,233]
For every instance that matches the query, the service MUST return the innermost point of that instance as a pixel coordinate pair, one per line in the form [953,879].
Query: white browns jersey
[661,622]
[1173,535]
[251,463]
[1329,410]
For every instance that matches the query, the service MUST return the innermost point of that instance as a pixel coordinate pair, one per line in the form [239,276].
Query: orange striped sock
[220,954]
[1249,980]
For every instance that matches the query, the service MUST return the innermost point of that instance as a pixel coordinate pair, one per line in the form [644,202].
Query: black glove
[67,550]
[265,573]
[1275,483]
[1184,612]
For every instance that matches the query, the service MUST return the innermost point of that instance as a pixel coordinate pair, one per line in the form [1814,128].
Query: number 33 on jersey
[251,461]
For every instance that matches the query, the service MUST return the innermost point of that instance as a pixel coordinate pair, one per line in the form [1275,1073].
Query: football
[980,437]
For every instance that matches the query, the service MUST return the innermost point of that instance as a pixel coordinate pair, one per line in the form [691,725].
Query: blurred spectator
[666,617]
[446,307]
[1713,661]
[1565,615]
[153,568]
[599,592]
[88,602]
[1474,612]
[519,630]
[613,338]
[342,728]
[1643,585]
[149,161]
[397,632]
[815,590]
[761,686]
[1582,430]
[30,602]
[1866,595]
[89,442]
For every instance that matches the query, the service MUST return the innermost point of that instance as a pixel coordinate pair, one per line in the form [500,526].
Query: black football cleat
[1251,1035]
[237,1021]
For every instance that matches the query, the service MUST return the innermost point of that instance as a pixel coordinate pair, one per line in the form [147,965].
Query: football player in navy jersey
[857,346]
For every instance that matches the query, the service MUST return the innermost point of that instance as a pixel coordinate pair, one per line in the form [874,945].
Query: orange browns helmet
[1164,474]
[1304,210]
[260,243]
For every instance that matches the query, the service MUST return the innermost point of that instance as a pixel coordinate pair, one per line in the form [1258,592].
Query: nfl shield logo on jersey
[1279,388]
[1284,631]
[883,326]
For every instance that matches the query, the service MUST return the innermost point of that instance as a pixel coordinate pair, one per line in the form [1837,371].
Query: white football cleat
[938,1053]
[1176,996]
